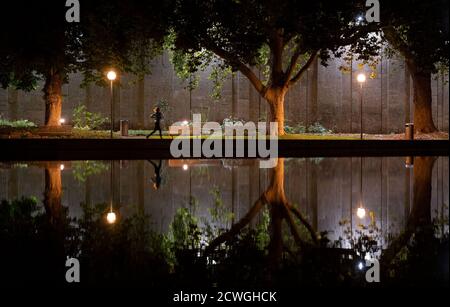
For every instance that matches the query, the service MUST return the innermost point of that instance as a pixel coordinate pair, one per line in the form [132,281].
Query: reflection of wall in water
[321,187]
[325,94]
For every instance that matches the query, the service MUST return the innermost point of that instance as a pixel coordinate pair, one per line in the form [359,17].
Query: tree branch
[395,40]
[276,44]
[304,68]
[292,226]
[302,219]
[244,69]
[230,234]
[293,62]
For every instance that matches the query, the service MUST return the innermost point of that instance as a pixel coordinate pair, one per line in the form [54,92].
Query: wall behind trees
[325,95]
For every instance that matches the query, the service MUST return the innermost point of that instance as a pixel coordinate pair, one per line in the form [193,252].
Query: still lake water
[169,223]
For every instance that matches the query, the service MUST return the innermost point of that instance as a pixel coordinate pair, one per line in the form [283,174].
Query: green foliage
[316,128]
[81,170]
[230,121]
[85,120]
[21,123]
[187,64]
[128,252]
[219,74]
[132,253]
[421,38]
[164,106]
[220,215]
[184,230]
[262,231]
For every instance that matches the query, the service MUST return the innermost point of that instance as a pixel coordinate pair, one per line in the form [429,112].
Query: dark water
[226,223]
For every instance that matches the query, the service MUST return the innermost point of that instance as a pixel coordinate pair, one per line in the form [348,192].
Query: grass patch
[307,136]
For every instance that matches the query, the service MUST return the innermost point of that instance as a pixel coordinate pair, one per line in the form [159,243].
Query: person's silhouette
[157,115]
[156,179]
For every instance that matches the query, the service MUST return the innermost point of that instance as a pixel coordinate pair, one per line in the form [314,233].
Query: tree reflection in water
[282,250]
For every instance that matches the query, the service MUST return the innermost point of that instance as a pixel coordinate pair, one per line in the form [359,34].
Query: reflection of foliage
[128,252]
[184,230]
[220,216]
[422,261]
[262,236]
[26,231]
[364,240]
[84,169]
[85,120]
[441,221]
[219,212]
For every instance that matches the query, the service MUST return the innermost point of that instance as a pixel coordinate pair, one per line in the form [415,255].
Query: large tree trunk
[419,220]
[53,193]
[275,98]
[53,99]
[423,115]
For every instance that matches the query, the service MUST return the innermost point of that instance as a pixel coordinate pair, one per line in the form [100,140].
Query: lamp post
[361,78]
[361,212]
[111,75]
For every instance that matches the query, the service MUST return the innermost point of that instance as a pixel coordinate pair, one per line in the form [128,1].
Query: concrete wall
[325,95]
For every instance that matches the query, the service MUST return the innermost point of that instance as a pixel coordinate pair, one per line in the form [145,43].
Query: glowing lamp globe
[111,75]
[111,218]
[361,213]
[361,78]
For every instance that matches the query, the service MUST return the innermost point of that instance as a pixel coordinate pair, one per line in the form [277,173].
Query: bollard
[124,124]
[409,131]
[409,162]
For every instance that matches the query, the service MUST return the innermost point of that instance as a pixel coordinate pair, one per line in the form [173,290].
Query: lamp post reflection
[361,212]
[111,216]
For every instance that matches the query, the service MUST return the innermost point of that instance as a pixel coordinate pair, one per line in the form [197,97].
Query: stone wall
[325,95]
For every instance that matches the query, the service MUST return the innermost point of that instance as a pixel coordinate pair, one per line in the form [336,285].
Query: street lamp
[111,218]
[361,78]
[112,75]
[361,212]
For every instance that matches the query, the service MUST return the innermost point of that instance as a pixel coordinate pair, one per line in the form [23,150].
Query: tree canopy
[419,31]
[285,36]
[43,45]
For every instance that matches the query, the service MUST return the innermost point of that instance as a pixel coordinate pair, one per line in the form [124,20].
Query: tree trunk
[423,116]
[52,194]
[421,211]
[275,98]
[419,220]
[53,99]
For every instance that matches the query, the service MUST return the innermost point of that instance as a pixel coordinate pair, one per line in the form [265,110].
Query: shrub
[300,128]
[21,123]
[85,120]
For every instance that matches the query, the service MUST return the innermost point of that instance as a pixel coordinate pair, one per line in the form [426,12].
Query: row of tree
[281,38]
